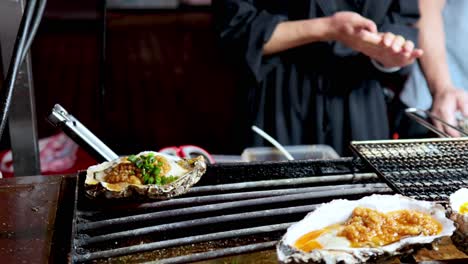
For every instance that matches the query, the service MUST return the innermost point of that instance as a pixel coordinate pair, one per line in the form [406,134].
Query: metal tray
[427,169]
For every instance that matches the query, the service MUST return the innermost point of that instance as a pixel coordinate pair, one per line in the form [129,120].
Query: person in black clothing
[314,67]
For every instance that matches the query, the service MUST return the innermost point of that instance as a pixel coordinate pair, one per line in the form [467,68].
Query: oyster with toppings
[459,207]
[145,175]
[367,230]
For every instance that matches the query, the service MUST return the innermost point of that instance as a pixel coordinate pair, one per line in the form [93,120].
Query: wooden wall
[166,82]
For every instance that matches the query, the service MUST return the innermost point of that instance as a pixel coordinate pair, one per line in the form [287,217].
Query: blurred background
[139,74]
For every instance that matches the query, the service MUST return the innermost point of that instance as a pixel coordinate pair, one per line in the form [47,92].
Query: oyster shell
[338,212]
[122,179]
[458,200]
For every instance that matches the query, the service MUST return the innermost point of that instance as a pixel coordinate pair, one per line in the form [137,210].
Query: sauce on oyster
[370,228]
[144,169]
[146,175]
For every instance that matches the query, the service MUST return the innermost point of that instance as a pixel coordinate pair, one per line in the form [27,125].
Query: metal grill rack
[234,210]
[427,169]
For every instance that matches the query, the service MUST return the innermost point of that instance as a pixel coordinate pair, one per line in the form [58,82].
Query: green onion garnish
[150,169]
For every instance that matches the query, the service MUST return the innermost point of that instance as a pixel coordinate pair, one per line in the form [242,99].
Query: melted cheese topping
[370,228]
[464,208]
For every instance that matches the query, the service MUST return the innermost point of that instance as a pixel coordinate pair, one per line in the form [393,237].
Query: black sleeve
[243,30]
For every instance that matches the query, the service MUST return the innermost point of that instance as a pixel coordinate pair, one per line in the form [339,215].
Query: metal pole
[22,118]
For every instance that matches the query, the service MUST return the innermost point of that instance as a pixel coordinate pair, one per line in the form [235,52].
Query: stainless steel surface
[299,152]
[78,132]
[22,118]
[36,218]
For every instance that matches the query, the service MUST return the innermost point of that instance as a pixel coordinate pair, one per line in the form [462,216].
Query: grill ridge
[221,217]
[230,205]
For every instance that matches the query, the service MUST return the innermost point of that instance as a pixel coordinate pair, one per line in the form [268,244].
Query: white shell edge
[338,211]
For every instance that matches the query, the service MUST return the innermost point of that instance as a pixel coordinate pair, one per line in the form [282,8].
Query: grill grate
[236,210]
[427,169]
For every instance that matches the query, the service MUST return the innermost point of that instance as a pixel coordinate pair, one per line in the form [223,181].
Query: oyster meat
[148,174]
[459,208]
[367,230]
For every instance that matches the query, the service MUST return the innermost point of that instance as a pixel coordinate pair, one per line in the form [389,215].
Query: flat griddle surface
[29,213]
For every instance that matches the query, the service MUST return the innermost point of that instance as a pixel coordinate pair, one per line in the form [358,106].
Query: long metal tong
[80,134]
[421,116]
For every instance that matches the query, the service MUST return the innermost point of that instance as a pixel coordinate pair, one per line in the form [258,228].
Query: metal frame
[22,118]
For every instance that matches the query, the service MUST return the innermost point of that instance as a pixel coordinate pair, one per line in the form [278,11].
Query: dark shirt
[359,4]
[321,93]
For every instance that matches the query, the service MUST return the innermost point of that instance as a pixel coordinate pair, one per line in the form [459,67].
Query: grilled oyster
[145,175]
[339,232]
[459,207]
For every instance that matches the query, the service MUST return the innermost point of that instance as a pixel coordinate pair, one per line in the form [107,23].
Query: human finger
[403,59]
[438,125]
[388,39]
[462,104]
[444,114]
[407,57]
[357,22]
[446,108]
[398,43]
[450,119]
[416,53]
[408,46]
[371,26]
[370,37]
[367,24]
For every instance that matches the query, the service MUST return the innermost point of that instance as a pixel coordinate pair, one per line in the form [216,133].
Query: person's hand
[360,34]
[347,27]
[446,103]
[389,49]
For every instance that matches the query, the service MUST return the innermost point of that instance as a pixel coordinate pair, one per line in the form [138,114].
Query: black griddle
[237,212]
[235,209]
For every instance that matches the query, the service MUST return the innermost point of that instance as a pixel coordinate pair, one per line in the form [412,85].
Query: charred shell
[121,179]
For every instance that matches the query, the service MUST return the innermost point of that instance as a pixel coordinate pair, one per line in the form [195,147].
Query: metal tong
[80,134]
[425,118]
